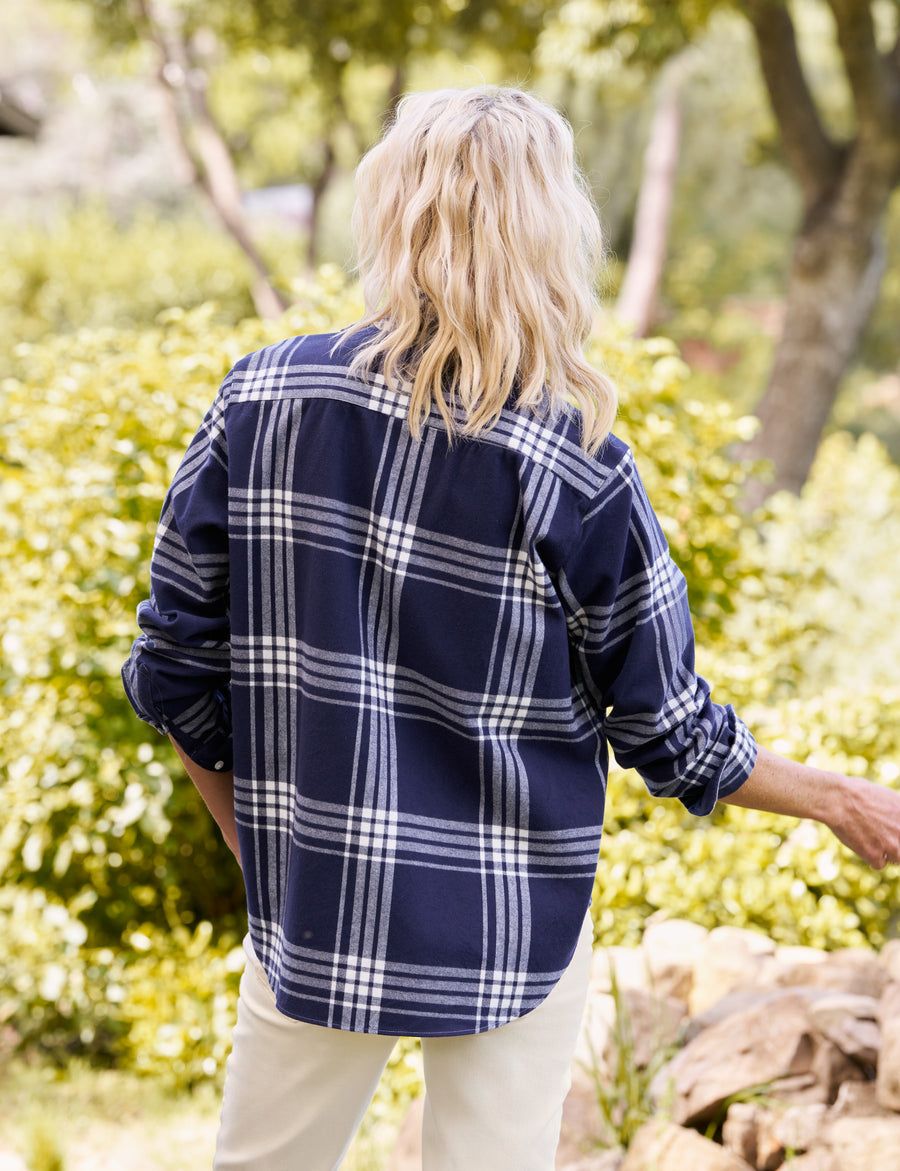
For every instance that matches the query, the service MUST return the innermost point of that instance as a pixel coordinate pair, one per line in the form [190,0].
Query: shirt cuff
[200,725]
[734,770]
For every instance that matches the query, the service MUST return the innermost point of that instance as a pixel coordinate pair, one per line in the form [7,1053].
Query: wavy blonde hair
[479,245]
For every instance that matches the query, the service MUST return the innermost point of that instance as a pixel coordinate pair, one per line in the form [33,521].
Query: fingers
[870,825]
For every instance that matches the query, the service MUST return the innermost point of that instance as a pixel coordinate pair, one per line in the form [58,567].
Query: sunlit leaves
[790,618]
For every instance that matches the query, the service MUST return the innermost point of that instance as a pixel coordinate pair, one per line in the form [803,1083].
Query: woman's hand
[862,815]
[868,821]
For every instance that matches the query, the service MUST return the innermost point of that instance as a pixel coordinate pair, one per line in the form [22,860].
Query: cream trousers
[296,1093]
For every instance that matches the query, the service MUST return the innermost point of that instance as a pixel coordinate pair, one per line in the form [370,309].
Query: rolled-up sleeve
[634,648]
[177,677]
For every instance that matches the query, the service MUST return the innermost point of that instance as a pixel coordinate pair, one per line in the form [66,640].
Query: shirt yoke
[317,366]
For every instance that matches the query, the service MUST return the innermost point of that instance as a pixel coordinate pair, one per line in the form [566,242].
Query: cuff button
[219,764]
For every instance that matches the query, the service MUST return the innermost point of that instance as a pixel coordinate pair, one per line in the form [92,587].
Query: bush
[92,434]
[56,999]
[682,446]
[811,664]
[163,1005]
[97,809]
[86,269]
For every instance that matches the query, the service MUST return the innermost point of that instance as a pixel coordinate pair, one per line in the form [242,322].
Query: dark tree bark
[319,188]
[838,256]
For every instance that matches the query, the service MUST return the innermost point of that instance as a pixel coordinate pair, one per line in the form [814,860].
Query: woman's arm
[862,815]
[217,790]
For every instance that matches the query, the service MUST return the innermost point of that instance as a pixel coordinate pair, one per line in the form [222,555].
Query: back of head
[479,246]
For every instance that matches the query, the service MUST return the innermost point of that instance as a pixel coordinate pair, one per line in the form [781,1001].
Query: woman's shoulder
[335,348]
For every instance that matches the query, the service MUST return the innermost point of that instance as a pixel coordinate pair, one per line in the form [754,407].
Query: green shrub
[162,1005]
[86,269]
[682,446]
[91,435]
[58,998]
[97,810]
[179,1006]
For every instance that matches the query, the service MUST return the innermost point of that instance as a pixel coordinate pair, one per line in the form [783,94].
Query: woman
[406,588]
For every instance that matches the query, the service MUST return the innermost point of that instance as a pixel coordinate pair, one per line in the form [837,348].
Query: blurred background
[175,191]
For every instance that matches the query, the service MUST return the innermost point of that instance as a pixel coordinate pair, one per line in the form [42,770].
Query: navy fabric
[414,652]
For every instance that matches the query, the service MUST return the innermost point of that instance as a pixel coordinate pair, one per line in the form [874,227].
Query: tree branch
[813,157]
[892,70]
[867,70]
[205,151]
[638,298]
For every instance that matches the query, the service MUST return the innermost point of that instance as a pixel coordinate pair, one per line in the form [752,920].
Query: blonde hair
[479,246]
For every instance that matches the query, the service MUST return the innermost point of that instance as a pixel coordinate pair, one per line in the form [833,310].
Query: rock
[890,959]
[407,1152]
[857,1100]
[660,1146]
[821,1159]
[746,1049]
[861,1041]
[651,1024]
[630,967]
[852,970]
[888,1078]
[730,956]
[793,956]
[672,948]
[583,1128]
[850,1022]
[801,1090]
[889,1005]
[775,968]
[654,1024]
[739,1130]
[762,1136]
[833,1068]
[769,1148]
[831,1008]
[728,1005]
[610,1160]
[741,1001]
[798,1127]
[872,1145]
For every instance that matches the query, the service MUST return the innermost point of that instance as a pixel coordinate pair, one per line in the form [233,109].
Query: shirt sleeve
[634,649]
[178,675]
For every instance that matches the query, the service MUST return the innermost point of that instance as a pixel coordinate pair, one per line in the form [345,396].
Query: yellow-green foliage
[87,269]
[90,437]
[681,443]
[162,1004]
[97,810]
[178,1007]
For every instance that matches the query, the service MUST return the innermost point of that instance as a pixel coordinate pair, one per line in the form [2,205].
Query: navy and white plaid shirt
[417,652]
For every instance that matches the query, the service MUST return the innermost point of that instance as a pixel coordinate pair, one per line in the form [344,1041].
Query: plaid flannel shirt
[417,652]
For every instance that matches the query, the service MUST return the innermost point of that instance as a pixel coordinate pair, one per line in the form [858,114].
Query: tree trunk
[838,256]
[836,271]
[319,188]
[200,146]
[638,299]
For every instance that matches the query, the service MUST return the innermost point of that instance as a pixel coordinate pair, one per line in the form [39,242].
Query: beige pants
[296,1093]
